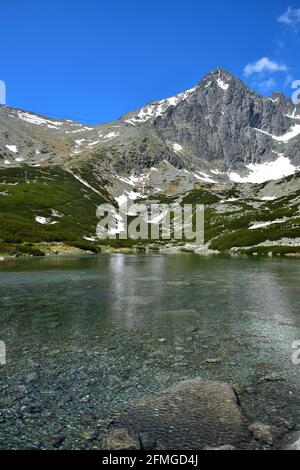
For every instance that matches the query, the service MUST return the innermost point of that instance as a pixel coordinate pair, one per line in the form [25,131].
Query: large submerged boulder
[193,414]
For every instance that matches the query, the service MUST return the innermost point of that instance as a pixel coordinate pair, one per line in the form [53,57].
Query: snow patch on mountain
[81,129]
[90,239]
[232,199]
[177,148]
[157,108]
[291,134]
[222,84]
[55,213]
[262,172]
[294,115]
[268,198]
[111,135]
[39,121]
[132,180]
[257,225]
[92,144]
[12,148]
[200,175]
[45,221]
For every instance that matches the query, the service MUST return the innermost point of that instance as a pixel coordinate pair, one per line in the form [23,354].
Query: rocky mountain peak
[220,124]
[219,77]
[219,72]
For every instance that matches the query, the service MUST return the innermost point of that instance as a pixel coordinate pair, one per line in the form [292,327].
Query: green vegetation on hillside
[68,207]
[51,193]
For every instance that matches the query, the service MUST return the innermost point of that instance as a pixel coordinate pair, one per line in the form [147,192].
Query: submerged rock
[213,361]
[193,414]
[120,439]
[262,433]
[89,436]
[56,441]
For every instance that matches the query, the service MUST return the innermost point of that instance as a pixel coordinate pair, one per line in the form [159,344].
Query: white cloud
[268,85]
[291,17]
[280,45]
[289,80]
[264,65]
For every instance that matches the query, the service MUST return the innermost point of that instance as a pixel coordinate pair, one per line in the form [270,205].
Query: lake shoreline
[61,248]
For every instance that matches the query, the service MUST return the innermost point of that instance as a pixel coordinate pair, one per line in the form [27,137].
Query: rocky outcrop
[225,122]
[193,414]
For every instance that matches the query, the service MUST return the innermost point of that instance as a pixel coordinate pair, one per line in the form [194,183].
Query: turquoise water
[85,333]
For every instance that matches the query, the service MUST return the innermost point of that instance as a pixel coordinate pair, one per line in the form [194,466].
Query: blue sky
[94,60]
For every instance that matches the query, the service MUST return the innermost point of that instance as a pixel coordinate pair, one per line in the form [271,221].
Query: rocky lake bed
[195,352]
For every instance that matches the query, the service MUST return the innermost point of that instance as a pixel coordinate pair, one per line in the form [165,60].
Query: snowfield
[291,134]
[260,173]
[12,148]
[222,84]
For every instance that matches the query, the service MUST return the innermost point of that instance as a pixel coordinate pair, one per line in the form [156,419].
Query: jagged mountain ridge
[218,127]
[224,121]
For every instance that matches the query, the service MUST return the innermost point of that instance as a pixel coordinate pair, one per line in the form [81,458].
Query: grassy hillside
[28,193]
[29,196]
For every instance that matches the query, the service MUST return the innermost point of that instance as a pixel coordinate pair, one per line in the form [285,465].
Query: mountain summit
[219,125]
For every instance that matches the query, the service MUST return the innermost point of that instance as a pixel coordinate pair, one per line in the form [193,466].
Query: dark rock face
[194,414]
[218,122]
